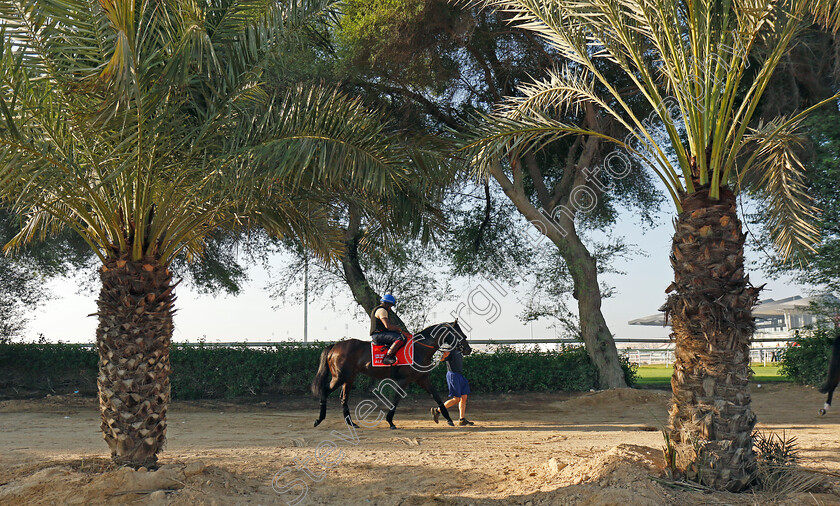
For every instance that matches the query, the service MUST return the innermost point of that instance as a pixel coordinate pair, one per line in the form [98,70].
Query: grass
[660,376]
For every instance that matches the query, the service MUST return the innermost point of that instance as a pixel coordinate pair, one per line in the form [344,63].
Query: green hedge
[207,371]
[807,363]
[27,369]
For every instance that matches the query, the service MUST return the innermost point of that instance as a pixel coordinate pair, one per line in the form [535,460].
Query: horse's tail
[322,377]
[833,368]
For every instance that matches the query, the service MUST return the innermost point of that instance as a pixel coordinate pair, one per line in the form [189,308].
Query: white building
[773,318]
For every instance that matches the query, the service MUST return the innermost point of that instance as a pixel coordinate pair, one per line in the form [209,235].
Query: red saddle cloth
[405,355]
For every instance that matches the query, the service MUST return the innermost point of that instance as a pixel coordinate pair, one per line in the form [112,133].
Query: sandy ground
[593,448]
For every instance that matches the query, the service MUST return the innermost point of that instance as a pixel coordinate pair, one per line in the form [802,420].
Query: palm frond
[144,126]
[312,136]
[696,54]
[777,177]
[827,13]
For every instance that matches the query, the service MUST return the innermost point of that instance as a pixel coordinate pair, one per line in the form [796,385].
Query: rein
[428,337]
[424,344]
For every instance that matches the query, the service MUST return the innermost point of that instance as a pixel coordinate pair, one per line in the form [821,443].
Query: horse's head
[447,336]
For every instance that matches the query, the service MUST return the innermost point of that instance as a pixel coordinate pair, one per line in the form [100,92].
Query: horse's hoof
[822,412]
[450,423]
[316,423]
[354,425]
[393,427]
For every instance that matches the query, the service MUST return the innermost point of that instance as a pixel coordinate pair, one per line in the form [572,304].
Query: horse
[342,361]
[833,375]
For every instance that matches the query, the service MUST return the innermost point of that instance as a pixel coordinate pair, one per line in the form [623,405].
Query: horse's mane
[430,327]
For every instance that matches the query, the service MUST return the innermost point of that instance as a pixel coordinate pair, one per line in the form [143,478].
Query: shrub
[807,362]
[211,371]
[208,371]
[47,368]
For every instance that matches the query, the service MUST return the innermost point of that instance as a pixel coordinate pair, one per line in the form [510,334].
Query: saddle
[405,355]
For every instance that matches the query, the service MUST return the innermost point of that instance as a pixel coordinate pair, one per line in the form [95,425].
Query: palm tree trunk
[133,338]
[710,307]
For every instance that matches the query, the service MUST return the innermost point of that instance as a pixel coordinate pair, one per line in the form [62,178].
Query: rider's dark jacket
[379,334]
[376,325]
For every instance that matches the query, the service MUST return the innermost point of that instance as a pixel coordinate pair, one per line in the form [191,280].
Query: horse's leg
[345,395]
[426,384]
[829,387]
[325,392]
[390,417]
[827,404]
[833,377]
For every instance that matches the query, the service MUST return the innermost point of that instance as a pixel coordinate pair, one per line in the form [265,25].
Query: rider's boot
[390,357]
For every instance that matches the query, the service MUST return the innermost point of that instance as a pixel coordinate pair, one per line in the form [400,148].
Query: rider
[384,331]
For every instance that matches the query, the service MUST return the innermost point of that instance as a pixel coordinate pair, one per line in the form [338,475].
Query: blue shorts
[458,384]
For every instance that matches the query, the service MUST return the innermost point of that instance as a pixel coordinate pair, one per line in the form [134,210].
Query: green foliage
[823,267]
[208,371]
[775,449]
[367,21]
[807,363]
[777,473]
[403,39]
[146,133]
[631,371]
[46,368]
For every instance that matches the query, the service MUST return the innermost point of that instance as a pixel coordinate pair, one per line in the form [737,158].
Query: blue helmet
[388,298]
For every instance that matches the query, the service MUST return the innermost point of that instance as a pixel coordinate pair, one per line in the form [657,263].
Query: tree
[696,64]
[410,270]
[435,63]
[145,128]
[396,223]
[19,291]
[389,235]
[22,278]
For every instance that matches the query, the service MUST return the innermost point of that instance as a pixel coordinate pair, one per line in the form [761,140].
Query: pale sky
[251,317]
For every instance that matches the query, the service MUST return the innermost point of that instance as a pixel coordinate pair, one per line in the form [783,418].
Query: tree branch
[433,109]
[537,179]
[488,73]
[486,220]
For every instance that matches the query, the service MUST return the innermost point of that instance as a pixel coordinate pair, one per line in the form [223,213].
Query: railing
[666,356]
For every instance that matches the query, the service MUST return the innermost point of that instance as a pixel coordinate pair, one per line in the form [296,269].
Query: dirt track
[604,446]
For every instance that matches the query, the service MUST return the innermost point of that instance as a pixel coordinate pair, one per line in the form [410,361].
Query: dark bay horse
[342,361]
[833,373]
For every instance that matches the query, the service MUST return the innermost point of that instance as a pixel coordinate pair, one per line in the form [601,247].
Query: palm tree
[693,61]
[144,127]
